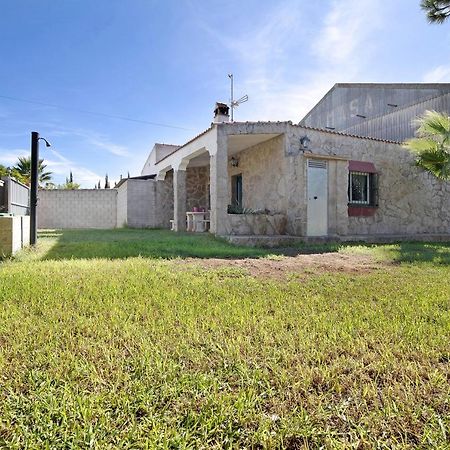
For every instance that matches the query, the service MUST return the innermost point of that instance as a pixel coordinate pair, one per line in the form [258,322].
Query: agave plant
[432,145]
[23,171]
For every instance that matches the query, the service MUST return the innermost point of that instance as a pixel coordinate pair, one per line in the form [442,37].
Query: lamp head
[47,144]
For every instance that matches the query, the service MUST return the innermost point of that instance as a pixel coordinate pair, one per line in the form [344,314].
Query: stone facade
[263,181]
[273,162]
[411,201]
[256,224]
[197,186]
[164,202]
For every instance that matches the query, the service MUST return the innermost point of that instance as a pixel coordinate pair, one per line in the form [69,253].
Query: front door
[317,212]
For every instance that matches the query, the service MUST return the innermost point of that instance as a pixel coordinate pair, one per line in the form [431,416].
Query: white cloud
[92,138]
[9,157]
[346,30]
[440,74]
[60,166]
[286,68]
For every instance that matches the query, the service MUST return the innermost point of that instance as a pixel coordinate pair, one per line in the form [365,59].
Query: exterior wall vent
[317,163]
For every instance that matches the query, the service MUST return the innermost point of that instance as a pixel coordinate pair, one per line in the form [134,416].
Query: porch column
[219,187]
[179,200]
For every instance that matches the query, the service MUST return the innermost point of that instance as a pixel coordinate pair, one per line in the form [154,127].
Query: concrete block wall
[122,201]
[14,234]
[79,208]
[141,204]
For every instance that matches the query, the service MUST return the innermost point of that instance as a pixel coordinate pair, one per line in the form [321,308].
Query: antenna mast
[235,103]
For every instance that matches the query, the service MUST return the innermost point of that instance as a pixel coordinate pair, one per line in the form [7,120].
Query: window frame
[236,190]
[369,189]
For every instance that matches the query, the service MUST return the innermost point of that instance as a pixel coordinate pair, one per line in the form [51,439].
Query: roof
[342,133]
[140,177]
[188,142]
[394,85]
[289,122]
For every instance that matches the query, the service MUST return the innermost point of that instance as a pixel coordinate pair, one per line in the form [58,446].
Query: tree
[69,185]
[438,11]
[4,171]
[432,145]
[107,182]
[22,171]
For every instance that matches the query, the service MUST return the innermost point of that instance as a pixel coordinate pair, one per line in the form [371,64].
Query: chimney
[221,113]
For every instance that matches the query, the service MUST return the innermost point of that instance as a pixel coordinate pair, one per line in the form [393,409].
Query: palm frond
[437,11]
[423,144]
[432,146]
[434,125]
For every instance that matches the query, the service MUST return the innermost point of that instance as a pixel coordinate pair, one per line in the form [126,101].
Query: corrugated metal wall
[399,125]
[382,111]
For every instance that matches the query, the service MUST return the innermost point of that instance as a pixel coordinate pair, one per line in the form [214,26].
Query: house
[272,181]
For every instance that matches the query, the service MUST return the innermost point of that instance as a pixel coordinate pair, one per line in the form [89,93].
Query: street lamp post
[34,184]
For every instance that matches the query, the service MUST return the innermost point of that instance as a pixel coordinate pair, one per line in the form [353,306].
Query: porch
[223,181]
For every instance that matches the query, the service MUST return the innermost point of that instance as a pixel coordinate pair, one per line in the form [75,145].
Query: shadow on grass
[127,243]
[419,252]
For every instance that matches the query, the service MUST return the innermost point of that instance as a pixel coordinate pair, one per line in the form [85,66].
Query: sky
[104,80]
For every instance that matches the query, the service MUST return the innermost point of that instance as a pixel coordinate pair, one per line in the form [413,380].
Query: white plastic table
[196,221]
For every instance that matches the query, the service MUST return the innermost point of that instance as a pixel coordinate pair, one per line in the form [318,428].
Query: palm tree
[23,169]
[438,11]
[432,145]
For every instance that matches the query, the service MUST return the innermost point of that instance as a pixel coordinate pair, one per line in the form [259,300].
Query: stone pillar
[219,187]
[179,197]
[341,198]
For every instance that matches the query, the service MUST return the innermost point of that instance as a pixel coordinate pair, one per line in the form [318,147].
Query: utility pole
[34,186]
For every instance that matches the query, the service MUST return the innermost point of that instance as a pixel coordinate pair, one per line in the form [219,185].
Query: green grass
[127,351]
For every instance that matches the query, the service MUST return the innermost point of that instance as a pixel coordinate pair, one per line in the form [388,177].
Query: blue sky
[167,62]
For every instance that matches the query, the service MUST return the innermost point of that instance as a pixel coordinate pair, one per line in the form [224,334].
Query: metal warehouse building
[379,110]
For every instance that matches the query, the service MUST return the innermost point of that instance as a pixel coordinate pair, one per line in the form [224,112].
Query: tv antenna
[235,103]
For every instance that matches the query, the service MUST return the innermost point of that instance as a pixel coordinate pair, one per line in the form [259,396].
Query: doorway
[317,190]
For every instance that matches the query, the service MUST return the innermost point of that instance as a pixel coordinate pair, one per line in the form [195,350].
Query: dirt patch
[303,265]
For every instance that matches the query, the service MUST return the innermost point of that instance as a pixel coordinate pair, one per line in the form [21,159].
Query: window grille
[359,188]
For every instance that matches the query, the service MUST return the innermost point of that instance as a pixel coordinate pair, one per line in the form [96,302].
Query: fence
[14,197]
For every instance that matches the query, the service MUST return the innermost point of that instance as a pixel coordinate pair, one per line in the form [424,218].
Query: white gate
[317,212]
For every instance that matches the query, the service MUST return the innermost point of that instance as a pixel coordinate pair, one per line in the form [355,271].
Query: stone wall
[256,224]
[274,174]
[14,234]
[263,176]
[164,200]
[411,201]
[79,208]
[197,185]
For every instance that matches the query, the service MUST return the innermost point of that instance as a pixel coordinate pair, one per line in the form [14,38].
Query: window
[236,190]
[362,189]
[359,188]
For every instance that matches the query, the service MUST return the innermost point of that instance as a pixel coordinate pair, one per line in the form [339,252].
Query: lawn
[109,339]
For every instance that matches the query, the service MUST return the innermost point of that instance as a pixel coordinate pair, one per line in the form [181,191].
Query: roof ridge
[343,133]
